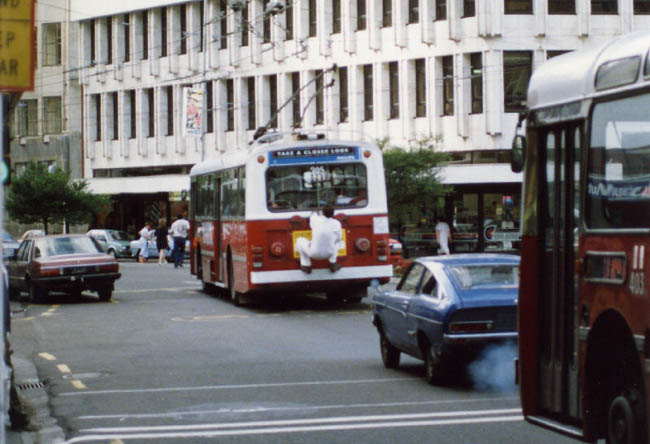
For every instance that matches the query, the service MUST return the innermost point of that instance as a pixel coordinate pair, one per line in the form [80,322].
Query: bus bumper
[322,274]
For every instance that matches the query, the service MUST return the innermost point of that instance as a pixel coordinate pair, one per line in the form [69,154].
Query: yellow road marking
[78,384]
[116,441]
[63,368]
[218,317]
[47,356]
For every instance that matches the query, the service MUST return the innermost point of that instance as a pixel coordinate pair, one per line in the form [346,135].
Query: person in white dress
[443,235]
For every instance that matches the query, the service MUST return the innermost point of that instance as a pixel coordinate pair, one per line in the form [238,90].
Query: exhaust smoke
[494,369]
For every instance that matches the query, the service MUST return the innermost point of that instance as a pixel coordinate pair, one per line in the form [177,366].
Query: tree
[412,182]
[38,195]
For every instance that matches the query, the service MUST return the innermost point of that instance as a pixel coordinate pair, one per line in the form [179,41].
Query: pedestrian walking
[143,243]
[325,240]
[161,234]
[443,236]
[179,230]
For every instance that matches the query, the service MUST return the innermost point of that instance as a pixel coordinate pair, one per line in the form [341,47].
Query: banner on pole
[192,111]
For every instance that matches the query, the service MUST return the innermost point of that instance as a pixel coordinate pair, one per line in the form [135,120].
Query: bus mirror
[517,156]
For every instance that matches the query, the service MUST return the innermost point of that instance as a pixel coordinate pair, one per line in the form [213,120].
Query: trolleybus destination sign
[16,45]
[314,154]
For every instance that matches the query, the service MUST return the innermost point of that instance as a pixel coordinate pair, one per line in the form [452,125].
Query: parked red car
[70,263]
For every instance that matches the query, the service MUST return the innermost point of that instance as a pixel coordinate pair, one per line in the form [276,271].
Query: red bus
[249,207]
[584,304]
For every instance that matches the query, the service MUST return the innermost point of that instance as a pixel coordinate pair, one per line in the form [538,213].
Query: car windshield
[483,276]
[54,246]
[6,237]
[119,235]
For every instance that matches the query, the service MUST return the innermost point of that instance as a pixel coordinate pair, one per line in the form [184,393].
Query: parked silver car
[114,242]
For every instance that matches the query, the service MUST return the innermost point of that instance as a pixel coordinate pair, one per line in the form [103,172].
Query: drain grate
[30,385]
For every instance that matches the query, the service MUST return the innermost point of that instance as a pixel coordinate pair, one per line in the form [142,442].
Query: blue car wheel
[389,354]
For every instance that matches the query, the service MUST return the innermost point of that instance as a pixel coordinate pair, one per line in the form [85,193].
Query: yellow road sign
[16,45]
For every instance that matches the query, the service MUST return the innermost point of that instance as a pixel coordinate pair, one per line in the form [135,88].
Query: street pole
[204,86]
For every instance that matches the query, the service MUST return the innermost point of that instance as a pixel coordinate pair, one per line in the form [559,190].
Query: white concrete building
[453,71]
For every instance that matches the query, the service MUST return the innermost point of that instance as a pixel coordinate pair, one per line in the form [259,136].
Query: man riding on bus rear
[325,240]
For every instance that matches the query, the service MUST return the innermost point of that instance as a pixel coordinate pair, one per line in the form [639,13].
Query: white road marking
[239,386]
[155,290]
[302,408]
[63,368]
[47,356]
[210,433]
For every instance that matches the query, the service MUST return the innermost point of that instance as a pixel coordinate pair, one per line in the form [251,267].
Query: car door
[397,304]
[424,312]
[17,265]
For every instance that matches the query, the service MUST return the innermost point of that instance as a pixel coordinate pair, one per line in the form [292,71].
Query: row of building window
[141,20]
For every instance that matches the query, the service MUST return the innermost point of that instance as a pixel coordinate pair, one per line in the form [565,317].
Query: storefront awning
[488,173]
[168,183]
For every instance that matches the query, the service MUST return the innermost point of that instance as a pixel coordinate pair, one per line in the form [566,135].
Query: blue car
[446,309]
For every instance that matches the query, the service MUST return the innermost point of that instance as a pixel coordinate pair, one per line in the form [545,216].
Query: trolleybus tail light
[258,256]
[278,249]
[382,254]
[367,153]
[260,159]
[362,244]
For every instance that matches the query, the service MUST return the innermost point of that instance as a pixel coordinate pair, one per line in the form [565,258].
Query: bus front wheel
[625,419]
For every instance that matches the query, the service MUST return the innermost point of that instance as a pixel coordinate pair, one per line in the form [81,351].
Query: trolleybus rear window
[304,187]
[618,181]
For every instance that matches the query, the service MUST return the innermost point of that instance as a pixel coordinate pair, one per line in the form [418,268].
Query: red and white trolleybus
[584,299]
[249,207]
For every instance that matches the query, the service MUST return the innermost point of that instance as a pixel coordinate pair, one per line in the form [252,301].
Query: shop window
[501,221]
[465,230]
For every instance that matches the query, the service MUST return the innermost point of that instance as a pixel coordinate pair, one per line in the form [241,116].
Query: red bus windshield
[303,187]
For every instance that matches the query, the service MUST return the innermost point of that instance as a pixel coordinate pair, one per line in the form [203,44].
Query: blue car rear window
[481,276]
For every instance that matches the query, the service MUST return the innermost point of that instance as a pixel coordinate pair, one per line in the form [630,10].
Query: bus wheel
[206,287]
[626,419]
[353,295]
[234,294]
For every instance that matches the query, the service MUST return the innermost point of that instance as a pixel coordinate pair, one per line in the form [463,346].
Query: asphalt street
[164,362]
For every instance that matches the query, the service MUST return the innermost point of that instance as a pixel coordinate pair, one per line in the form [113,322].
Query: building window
[244,25]
[393,90]
[386,13]
[150,112]
[343,95]
[223,24]
[336,16]
[448,86]
[288,14]
[295,101]
[469,8]
[97,101]
[517,68]
[93,54]
[361,15]
[115,115]
[312,18]
[561,6]
[250,83]
[320,97]
[169,93]
[273,100]
[414,11]
[368,113]
[127,38]
[183,36]
[52,115]
[132,114]
[642,7]
[476,76]
[604,6]
[441,9]
[163,32]
[420,88]
[518,6]
[145,35]
[554,53]
[51,44]
[230,105]
[27,122]
[209,104]
[109,41]
[266,23]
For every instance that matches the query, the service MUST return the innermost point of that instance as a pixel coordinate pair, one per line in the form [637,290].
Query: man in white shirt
[179,230]
[325,239]
[443,235]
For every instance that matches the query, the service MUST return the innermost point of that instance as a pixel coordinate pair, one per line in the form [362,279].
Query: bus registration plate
[307,234]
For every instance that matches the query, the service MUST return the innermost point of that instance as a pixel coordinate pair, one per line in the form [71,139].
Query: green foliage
[412,183]
[40,196]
